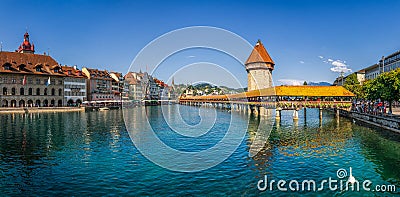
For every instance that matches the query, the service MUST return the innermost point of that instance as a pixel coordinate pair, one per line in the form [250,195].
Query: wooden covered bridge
[261,101]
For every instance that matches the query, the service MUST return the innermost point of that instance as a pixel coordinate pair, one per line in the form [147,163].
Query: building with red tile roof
[99,85]
[259,67]
[117,85]
[135,85]
[28,79]
[74,86]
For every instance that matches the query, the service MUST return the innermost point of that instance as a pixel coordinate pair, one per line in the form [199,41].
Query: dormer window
[38,68]
[69,72]
[7,66]
[56,70]
[21,67]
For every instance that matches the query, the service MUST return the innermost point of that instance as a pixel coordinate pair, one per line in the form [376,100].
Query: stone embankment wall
[41,109]
[384,122]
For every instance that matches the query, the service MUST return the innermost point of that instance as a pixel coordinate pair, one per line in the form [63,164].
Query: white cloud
[340,66]
[301,62]
[337,65]
[340,69]
[191,56]
[291,82]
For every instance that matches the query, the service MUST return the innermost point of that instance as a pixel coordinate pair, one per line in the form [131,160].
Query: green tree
[353,85]
[305,83]
[385,87]
[389,82]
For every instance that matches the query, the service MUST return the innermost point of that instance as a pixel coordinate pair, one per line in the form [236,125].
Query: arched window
[30,91]
[45,91]
[38,91]
[22,91]
[12,91]
[59,92]
[53,92]
[5,91]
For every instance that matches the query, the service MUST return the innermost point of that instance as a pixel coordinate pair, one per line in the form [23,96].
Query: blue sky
[109,34]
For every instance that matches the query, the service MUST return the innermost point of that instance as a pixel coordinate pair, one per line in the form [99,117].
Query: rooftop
[97,74]
[295,91]
[259,54]
[25,63]
[70,71]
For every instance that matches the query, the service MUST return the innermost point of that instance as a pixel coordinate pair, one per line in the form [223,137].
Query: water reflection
[91,153]
[320,147]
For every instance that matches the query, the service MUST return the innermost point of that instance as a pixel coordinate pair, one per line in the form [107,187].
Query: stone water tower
[259,67]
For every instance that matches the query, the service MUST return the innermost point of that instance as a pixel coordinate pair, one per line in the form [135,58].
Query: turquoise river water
[91,153]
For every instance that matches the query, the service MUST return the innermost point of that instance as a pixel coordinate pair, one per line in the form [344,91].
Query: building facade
[135,87]
[117,85]
[74,86]
[28,79]
[391,62]
[99,85]
[371,72]
[386,64]
[259,67]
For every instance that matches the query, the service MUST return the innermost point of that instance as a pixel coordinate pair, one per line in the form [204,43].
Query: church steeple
[26,46]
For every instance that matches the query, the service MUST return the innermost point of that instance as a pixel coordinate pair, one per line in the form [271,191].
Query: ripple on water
[91,154]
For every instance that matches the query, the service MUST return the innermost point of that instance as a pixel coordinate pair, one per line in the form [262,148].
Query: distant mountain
[322,83]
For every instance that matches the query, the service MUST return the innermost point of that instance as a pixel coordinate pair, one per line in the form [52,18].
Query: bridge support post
[337,113]
[263,111]
[257,110]
[320,113]
[296,114]
[278,113]
[320,117]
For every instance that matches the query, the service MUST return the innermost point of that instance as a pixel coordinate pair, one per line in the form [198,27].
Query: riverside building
[135,86]
[28,79]
[74,86]
[99,85]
